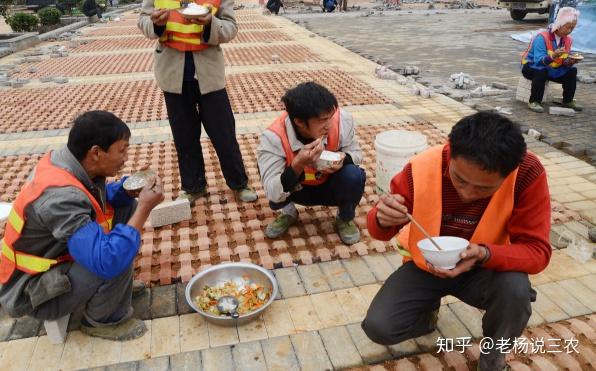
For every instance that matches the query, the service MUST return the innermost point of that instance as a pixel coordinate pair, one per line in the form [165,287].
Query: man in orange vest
[287,158]
[71,238]
[549,58]
[189,68]
[482,186]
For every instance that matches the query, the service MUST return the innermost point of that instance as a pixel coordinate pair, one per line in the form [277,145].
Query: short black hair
[308,100]
[92,128]
[489,140]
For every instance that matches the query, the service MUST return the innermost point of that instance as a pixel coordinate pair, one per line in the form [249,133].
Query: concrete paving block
[561,111]
[187,361]
[310,351]
[580,291]
[170,212]
[340,348]
[548,310]
[289,282]
[313,279]
[142,305]
[336,275]
[369,351]
[449,325]
[469,316]
[394,258]
[428,343]
[219,358]
[279,354]
[126,366]
[379,266]
[181,303]
[154,364]
[163,301]
[249,356]
[359,271]
[564,299]
[25,327]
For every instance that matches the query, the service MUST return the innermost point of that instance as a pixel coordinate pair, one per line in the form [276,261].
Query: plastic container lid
[400,140]
[5,210]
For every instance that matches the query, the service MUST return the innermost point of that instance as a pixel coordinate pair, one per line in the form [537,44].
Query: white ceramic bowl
[449,256]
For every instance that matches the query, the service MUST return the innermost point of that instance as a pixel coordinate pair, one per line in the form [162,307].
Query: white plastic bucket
[394,149]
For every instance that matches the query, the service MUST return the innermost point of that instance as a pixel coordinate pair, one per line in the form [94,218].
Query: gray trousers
[103,302]
[402,308]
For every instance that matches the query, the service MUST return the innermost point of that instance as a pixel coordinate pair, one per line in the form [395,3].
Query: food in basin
[251,296]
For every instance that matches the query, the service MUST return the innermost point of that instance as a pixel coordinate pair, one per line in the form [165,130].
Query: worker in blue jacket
[78,234]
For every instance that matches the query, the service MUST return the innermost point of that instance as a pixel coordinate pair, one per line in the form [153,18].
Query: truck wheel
[518,15]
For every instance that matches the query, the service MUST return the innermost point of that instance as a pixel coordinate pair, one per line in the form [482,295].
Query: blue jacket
[539,59]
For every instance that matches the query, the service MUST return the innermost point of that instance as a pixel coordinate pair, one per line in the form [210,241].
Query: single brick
[341,350]
[186,361]
[310,351]
[170,212]
[361,248]
[286,260]
[379,246]
[279,354]
[249,356]
[342,251]
[280,245]
[290,284]
[305,256]
[324,254]
[359,271]
[298,243]
[313,279]
[336,275]
[429,363]
[163,301]
[242,251]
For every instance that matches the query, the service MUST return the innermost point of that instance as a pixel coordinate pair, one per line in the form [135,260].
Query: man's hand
[307,155]
[205,19]
[151,195]
[159,17]
[335,167]
[469,258]
[391,210]
[557,53]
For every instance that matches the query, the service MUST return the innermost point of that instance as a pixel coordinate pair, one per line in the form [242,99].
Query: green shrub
[23,22]
[49,16]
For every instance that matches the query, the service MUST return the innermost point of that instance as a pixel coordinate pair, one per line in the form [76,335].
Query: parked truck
[519,8]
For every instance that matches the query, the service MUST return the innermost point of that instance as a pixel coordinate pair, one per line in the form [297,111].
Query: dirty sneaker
[247,194]
[536,107]
[192,196]
[138,288]
[128,330]
[348,231]
[573,105]
[279,226]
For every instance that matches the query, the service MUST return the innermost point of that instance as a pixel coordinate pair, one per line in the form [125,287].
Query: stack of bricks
[524,87]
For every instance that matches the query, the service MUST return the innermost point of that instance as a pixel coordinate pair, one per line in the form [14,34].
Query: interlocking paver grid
[121,43]
[260,37]
[253,55]
[261,91]
[484,49]
[77,65]
[112,31]
[140,101]
[255,25]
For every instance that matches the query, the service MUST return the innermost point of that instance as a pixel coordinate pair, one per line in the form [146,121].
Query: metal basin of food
[221,273]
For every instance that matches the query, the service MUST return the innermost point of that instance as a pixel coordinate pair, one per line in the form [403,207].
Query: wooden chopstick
[423,231]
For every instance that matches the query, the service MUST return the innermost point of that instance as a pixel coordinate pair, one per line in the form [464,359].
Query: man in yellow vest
[287,158]
[189,68]
[71,238]
[482,186]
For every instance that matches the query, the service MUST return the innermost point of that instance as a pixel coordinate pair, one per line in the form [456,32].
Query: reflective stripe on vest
[180,34]
[311,176]
[46,175]
[427,173]
[548,41]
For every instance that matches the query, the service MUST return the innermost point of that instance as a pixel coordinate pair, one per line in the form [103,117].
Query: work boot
[138,288]
[128,330]
[348,231]
[573,105]
[247,194]
[192,196]
[536,107]
[279,226]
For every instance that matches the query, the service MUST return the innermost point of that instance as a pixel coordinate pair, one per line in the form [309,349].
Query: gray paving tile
[279,354]
[336,275]
[154,364]
[359,271]
[218,359]
[163,301]
[341,350]
[187,361]
[182,304]
[290,284]
[379,265]
[548,310]
[249,356]
[564,299]
[310,351]
[449,325]
[313,279]
[469,316]
[369,351]
[142,305]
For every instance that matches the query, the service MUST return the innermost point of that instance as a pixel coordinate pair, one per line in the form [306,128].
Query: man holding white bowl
[483,187]
[309,156]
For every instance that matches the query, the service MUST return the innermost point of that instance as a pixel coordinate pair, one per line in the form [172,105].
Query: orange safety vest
[548,39]
[46,175]
[427,174]
[180,34]
[311,176]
